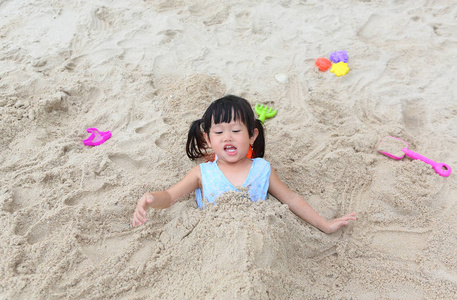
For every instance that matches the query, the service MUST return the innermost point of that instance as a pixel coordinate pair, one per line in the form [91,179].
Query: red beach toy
[323,64]
[97,137]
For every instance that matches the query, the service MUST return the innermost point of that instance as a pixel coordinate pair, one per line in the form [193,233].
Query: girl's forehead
[232,122]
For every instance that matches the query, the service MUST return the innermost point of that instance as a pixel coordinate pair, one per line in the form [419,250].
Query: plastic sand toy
[264,112]
[397,149]
[97,137]
[323,64]
[339,56]
[340,69]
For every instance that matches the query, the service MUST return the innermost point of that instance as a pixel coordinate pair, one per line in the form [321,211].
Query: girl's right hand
[139,216]
[336,224]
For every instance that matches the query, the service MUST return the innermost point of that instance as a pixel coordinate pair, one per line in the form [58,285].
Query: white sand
[146,69]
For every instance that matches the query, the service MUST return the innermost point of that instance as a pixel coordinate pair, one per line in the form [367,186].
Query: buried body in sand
[230,129]
[226,186]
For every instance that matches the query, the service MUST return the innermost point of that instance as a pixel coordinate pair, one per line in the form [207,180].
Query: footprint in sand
[17,199]
[400,243]
[22,197]
[168,35]
[146,128]
[217,18]
[7,201]
[165,5]
[127,163]
[78,45]
[80,198]
[162,142]
[100,19]
[243,19]
[82,47]
[39,232]
[24,221]
[95,189]
[377,27]
[27,221]
[165,65]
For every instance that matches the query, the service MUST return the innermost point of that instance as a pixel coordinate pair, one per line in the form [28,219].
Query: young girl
[230,129]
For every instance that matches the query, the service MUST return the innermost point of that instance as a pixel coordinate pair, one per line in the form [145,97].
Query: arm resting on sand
[301,208]
[164,199]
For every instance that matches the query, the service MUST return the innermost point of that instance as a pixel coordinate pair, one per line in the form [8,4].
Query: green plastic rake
[264,112]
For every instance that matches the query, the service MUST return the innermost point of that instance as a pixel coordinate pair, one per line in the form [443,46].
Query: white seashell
[282,78]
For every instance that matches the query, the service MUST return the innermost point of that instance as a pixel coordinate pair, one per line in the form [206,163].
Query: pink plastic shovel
[97,137]
[397,149]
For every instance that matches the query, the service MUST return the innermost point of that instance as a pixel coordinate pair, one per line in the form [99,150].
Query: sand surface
[146,69]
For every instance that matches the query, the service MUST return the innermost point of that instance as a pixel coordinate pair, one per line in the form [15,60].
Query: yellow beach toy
[340,69]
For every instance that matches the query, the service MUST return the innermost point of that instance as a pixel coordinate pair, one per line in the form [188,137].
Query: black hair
[223,110]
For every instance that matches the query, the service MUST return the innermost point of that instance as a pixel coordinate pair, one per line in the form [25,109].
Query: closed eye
[236,130]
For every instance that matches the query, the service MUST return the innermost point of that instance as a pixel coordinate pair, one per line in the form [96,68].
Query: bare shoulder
[189,183]
[193,177]
[278,189]
[274,179]
[195,172]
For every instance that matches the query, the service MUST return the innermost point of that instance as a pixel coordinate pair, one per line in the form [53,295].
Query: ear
[208,142]
[254,136]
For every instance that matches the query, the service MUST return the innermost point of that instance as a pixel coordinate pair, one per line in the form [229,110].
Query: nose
[228,137]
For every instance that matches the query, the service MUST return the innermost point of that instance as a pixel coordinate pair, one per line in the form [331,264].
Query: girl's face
[230,141]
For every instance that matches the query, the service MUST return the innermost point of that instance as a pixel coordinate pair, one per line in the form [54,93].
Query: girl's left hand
[336,224]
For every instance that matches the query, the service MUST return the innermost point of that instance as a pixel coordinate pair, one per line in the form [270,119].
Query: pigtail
[259,144]
[196,144]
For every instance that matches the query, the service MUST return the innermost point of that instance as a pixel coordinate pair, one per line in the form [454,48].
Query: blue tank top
[214,183]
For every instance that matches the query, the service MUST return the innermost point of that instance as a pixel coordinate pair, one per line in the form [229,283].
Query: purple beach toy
[97,137]
[339,56]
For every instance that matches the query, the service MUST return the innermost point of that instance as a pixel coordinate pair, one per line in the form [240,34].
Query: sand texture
[146,69]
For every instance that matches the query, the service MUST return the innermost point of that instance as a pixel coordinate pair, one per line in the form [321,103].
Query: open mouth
[231,150]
